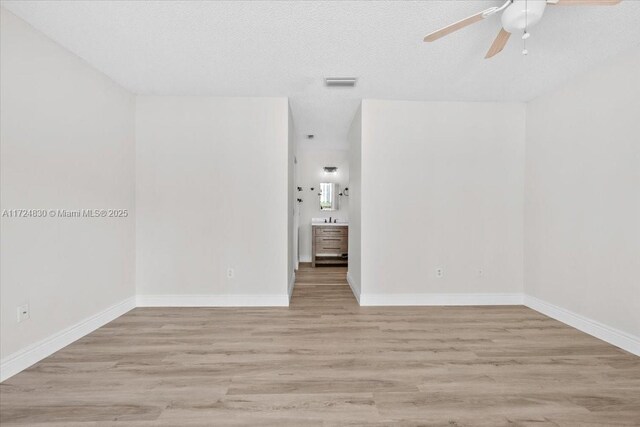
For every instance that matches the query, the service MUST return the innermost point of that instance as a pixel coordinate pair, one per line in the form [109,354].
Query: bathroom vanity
[330,243]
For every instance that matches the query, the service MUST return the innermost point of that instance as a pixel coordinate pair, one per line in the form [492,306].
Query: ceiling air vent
[340,81]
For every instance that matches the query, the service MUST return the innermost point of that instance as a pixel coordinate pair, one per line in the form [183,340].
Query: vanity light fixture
[330,169]
[340,81]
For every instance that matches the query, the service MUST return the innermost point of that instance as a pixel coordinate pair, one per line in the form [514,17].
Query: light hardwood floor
[321,275]
[327,361]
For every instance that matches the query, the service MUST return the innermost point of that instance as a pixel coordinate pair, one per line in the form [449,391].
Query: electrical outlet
[23,313]
[230,273]
[439,272]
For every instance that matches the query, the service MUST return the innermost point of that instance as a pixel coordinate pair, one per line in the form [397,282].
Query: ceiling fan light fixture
[522,14]
[517,16]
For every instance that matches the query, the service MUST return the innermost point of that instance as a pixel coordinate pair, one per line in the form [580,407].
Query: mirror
[328,196]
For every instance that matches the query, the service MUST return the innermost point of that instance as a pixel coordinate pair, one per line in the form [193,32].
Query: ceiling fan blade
[584,2]
[499,43]
[457,25]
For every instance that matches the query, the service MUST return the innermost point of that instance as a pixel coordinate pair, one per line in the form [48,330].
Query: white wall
[211,194]
[355,200]
[582,216]
[67,142]
[292,235]
[442,187]
[311,174]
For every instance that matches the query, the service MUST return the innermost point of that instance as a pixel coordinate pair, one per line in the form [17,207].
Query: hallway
[322,275]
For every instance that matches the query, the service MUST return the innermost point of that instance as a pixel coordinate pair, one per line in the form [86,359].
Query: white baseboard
[271,300]
[355,287]
[440,299]
[292,282]
[305,258]
[625,341]
[34,353]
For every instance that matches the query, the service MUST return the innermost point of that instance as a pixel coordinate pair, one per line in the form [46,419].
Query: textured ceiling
[281,48]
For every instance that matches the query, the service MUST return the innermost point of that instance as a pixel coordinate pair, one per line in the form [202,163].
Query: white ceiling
[284,48]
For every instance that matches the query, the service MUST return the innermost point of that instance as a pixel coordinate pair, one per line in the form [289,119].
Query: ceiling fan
[517,16]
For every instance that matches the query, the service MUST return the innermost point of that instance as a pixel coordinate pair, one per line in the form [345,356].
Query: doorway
[322,196]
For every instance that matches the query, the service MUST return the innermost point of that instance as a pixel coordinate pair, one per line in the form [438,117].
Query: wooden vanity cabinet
[330,244]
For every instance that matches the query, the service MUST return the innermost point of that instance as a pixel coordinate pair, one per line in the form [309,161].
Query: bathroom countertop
[332,224]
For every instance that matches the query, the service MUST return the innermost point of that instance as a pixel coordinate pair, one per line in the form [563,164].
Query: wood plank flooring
[321,275]
[327,361]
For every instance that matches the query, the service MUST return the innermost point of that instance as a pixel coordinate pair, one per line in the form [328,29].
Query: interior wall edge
[292,282]
[355,287]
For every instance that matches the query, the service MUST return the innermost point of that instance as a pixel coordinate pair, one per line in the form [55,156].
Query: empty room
[320,213]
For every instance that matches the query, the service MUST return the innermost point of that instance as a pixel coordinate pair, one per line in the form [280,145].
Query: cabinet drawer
[335,248]
[319,230]
[331,239]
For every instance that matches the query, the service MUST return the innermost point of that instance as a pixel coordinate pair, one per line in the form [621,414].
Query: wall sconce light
[330,169]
